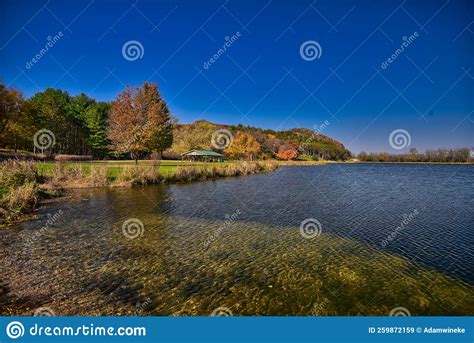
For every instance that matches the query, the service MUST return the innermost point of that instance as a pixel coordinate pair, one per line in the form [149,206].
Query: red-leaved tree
[287,152]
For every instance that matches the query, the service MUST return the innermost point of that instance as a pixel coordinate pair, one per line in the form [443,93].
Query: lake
[338,239]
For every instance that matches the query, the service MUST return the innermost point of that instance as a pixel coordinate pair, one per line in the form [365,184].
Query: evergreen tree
[96,123]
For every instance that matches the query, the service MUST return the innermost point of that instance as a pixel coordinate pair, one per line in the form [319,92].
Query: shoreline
[318,163]
[53,182]
[377,162]
[25,187]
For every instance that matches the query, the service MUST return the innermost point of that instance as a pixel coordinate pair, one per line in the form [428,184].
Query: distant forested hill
[248,142]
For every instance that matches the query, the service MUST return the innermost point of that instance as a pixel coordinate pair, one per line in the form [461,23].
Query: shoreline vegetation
[459,155]
[23,184]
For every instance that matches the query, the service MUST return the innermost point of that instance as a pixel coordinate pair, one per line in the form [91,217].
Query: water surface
[391,235]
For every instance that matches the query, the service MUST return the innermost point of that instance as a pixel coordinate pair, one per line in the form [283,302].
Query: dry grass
[18,188]
[98,177]
[66,177]
[21,186]
[189,174]
[23,198]
[16,172]
[62,176]
[131,176]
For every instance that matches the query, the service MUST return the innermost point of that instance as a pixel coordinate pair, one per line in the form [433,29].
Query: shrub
[305,158]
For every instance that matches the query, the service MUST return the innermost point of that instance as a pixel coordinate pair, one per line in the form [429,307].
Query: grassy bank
[24,183]
[78,175]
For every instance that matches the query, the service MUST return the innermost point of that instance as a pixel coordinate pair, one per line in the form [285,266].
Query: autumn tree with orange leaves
[287,152]
[140,122]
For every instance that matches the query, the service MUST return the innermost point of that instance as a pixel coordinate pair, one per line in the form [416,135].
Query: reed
[191,173]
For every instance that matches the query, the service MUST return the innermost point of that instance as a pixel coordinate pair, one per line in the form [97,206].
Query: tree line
[433,155]
[138,124]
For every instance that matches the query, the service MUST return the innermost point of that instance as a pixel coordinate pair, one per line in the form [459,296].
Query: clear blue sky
[261,80]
